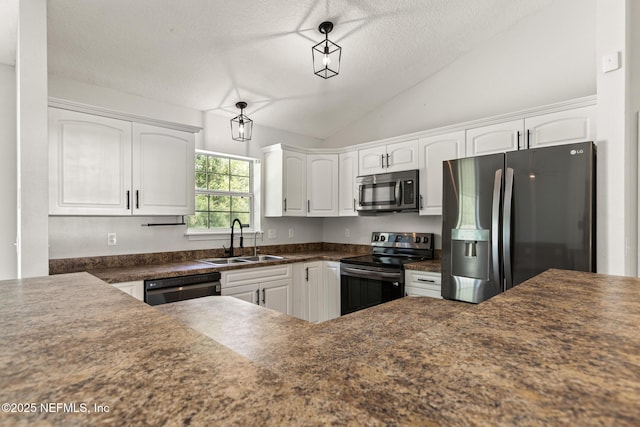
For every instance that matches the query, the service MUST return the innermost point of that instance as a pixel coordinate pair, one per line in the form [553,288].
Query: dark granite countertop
[560,349]
[185,268]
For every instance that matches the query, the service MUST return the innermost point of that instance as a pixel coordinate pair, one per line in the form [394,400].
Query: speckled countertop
[174,269]
[560,349]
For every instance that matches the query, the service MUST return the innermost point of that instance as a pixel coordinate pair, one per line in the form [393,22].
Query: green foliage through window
[223,192]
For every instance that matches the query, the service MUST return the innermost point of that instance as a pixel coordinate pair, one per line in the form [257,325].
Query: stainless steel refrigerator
[508,217]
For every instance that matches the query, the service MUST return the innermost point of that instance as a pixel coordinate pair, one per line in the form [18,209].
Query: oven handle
[366,274]
[181,288]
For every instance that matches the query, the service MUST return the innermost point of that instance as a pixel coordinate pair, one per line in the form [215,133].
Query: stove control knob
[418,239]
[398,238]
[382,238]
[376,237]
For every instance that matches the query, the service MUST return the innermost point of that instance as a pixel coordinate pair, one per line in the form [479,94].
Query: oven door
[366,286]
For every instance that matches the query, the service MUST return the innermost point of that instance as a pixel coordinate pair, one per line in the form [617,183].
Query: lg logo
[574,152]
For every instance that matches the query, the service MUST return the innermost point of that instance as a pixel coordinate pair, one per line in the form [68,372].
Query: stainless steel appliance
[369,280]
[172,289]
[508,217]
[388,192]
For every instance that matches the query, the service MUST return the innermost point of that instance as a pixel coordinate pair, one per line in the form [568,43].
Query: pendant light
[241,126]
[326,54]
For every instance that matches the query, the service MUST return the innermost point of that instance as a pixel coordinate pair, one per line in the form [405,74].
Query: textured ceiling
[209,54]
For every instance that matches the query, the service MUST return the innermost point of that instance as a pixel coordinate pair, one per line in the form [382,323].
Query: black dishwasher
[172,289]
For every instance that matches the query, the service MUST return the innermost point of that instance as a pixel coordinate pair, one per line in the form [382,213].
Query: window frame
[255,199]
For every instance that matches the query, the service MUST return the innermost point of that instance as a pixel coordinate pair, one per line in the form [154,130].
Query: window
[224,191]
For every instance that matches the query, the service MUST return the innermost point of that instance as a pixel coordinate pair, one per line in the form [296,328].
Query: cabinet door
[249,293]
[564,127]
[322,185]
[348,188]
[163,171]
[295,183]
[332,287]
[315,299]
[89,164]
[496,138]
[402,156]
[433,151]
[372,160]
[276,295]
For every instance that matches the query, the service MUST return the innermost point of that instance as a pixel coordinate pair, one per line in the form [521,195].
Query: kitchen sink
[259,258]
[239,259]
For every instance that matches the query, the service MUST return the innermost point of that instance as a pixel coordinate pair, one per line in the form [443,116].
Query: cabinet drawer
[255,275]
[419,278]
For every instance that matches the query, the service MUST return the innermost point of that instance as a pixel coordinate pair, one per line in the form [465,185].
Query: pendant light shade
[241,126]
[326,54]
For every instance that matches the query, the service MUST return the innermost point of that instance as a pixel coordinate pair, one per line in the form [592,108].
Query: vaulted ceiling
[209,54]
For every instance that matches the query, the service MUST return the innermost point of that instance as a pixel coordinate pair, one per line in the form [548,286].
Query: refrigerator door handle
[506,229]
[495,225]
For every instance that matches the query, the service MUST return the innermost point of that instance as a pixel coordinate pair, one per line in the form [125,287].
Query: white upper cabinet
[285,186]
[322,185]
[105,166]
[564,127]
[394,157]
[433,151]
[163,171]
[348,191]
[89,164]
[496,138]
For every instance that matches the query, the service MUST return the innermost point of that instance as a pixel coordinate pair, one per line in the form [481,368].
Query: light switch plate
[112,239]
[610,62]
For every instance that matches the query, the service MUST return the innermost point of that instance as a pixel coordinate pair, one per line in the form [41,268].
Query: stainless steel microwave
[388,192]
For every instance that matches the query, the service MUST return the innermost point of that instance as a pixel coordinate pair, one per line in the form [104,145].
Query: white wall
[8,177]
[548,57]
[617,140]
[71,236]
[33,196]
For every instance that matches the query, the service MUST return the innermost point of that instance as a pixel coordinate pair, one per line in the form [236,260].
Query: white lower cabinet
[270,287]
[423,283]
[135,289]
[317,291]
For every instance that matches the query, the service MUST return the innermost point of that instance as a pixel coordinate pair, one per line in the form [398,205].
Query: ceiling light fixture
[241,126]
[326,54]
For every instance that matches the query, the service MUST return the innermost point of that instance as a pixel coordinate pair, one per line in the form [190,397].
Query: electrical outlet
[347,232]
[291,234]
[112,239]
[272,233]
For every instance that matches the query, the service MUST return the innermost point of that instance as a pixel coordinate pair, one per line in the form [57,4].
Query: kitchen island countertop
[562,348]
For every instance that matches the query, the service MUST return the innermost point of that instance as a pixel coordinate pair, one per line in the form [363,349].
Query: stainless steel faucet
[255,242]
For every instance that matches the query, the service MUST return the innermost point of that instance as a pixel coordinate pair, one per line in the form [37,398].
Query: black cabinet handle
[421,198]
[354,204]
[285,204]
[306,274]
[264,296]
[528,139]
[128,200]
[308,205]
[258,296]
[518,140]
[137,199]
[382,160]
[387,160]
